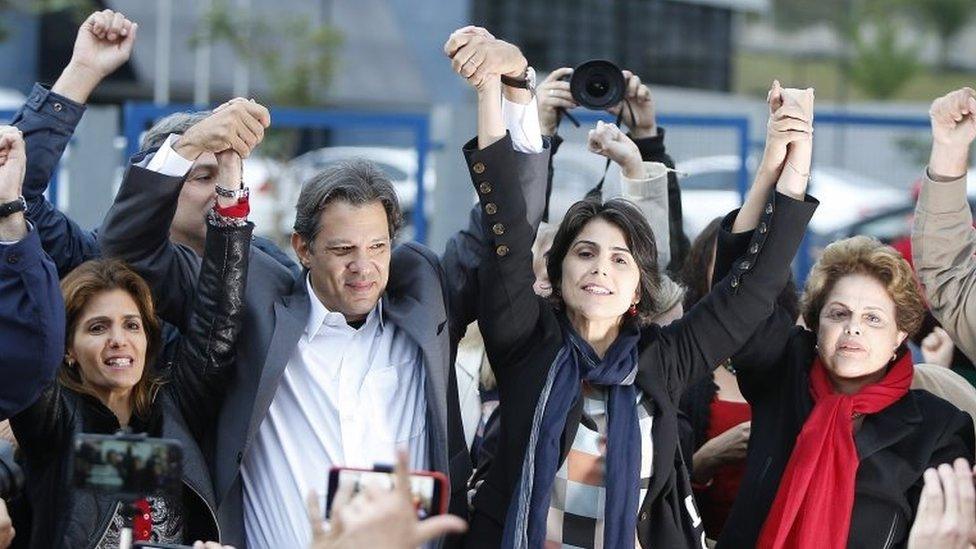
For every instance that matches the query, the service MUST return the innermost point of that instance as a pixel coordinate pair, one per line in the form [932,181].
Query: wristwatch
[13,207]
[238,194]
[526,81]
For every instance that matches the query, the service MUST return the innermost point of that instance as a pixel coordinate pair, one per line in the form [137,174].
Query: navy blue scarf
[525,525]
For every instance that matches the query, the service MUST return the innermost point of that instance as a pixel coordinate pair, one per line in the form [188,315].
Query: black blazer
[895,445]
[522,337]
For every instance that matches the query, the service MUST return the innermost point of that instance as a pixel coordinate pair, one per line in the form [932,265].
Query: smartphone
[128,465]
[429,488]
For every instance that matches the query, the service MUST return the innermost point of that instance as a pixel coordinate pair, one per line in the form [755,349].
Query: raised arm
[48,120]
[505,267]
[31,308]
[207,348]
[518,141]
[137,225]
[943,241]
[750,271]
[641,182]
[32,319]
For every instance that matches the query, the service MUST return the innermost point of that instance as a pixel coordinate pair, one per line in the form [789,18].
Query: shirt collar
[319,315]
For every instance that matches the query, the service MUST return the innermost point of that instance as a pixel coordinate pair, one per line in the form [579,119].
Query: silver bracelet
[798,172]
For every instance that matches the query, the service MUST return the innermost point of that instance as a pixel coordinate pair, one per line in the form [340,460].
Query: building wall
[666,42]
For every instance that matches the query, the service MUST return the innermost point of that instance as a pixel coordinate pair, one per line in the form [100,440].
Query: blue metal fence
[139,116]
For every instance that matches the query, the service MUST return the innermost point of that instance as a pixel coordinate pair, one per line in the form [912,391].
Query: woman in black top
[585,364]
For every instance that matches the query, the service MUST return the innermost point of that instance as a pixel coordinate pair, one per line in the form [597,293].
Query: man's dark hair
[358,182]
[637,233]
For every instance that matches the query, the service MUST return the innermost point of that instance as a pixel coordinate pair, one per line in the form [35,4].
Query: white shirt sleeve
[12,242]
[168,162]
[522,122]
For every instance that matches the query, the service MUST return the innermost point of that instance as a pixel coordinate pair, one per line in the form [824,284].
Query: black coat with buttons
[894,446]
[523,336]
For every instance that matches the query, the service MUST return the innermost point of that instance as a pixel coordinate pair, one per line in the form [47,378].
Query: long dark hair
[697,268]
[640,241]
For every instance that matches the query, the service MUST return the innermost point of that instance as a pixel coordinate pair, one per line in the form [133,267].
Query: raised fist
[104,42]
[13,163]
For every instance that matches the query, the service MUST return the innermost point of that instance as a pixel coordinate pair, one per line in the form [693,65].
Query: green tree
[947,18]
[297,58]
[880,66]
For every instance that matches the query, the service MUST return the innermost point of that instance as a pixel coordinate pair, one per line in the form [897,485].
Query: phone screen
[426,488]
[139,468]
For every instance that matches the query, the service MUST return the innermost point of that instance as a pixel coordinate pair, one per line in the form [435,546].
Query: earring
[632,311]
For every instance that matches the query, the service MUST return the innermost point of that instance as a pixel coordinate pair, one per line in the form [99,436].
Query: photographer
[555,97]
[110,379]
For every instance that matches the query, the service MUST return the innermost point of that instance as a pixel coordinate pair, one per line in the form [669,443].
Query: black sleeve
[727,316]
[207,349]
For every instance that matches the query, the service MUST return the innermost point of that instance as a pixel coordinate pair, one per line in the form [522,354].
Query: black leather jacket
[184,409]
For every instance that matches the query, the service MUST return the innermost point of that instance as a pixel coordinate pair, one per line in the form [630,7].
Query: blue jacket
[31,323]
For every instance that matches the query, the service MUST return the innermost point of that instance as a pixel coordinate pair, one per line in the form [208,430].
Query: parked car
[399,164]
[709,188]
[893,223]
[261,175]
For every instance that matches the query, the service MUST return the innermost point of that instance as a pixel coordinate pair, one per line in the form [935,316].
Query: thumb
[435,527]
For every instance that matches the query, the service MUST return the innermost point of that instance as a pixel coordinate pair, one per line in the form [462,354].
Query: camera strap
[597,192]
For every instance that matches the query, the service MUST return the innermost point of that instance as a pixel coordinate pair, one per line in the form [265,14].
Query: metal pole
[201,80]
[164,30]
[242,68]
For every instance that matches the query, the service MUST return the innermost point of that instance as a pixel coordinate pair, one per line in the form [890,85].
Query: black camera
[11,475]
[597,84]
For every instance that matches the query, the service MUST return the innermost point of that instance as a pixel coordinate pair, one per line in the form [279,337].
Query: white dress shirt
[347,397]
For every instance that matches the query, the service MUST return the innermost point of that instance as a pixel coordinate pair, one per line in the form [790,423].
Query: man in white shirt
[353,357]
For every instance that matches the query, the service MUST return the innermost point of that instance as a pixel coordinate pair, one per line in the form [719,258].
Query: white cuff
[167,161]
[522,122]
[647,186]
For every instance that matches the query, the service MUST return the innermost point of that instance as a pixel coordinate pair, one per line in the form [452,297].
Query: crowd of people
[594,381]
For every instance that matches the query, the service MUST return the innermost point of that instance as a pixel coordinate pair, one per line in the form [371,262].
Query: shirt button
[498,229]
[754,249]
[745,265]
[734,282]
[491,208]
[763,228]
[769,208]
[643,516]
[58,107]
[484,187]
[13,259]
[502,250]
[478,168]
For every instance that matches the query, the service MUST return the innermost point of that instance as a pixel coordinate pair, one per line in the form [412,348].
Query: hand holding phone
[427,489]
[378,517]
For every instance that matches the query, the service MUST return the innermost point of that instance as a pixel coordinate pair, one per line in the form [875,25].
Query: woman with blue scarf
[588,452]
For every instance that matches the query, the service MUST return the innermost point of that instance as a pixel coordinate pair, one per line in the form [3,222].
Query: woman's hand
[728,447]
[607,140]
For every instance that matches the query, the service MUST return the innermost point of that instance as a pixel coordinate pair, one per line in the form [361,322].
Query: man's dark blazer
[431,298]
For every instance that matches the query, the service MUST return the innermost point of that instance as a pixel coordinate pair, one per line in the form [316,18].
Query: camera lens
[597,84]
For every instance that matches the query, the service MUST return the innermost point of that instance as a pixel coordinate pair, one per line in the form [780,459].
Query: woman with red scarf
[839,443]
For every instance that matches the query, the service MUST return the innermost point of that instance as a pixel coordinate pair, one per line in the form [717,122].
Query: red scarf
[816,494]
